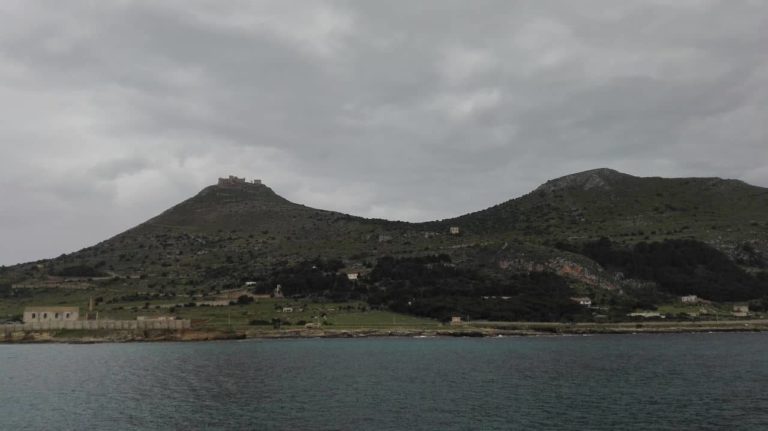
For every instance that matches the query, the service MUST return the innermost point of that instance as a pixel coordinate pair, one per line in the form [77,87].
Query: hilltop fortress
[233,181]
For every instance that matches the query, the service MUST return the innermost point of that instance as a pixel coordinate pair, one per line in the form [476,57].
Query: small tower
[90,314]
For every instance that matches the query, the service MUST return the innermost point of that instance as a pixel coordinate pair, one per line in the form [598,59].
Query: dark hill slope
[604,202]
[249,206]
[242,231]
[246,225]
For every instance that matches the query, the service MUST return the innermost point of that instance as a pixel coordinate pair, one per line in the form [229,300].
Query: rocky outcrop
[594,179]
[563,267]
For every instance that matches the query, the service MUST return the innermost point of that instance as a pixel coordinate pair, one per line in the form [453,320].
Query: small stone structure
[583,301]
[352,276]
[647,314]
[456,320]
[211,303]
[47,314]
[740,310]
[158,318]
[689,299]
[455,230]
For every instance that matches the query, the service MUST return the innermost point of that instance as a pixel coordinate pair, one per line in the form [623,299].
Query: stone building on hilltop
[234,181]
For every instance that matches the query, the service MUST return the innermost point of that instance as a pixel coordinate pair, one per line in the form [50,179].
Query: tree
[244,300]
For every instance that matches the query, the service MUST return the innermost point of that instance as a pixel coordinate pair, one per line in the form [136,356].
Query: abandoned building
[740,311]
[46,314]
[46,318]
[233,181]
[689,299]
[583,301]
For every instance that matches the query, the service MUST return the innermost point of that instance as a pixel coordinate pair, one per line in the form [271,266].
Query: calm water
[648,382]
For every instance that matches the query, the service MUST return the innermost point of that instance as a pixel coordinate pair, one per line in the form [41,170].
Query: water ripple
[648,382]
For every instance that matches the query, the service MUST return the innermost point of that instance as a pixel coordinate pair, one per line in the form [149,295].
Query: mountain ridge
[228,232]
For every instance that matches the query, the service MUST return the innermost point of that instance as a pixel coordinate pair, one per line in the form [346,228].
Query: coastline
[485,330]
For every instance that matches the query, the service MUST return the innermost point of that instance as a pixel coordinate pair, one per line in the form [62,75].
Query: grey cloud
[113,169]
[398,110]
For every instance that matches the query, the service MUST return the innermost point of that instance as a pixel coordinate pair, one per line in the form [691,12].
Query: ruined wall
[98,324]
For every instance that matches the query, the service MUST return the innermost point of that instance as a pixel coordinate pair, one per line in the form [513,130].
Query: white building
[740,310]
[583,301]
[689,299]
[455,230]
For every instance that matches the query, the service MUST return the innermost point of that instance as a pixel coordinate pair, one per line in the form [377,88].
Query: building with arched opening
[46,314]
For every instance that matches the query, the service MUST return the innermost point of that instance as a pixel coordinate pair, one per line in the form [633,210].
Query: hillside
[628,209]
[237,231]
[251,223]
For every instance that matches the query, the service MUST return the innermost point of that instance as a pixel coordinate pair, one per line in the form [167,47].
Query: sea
[602,382]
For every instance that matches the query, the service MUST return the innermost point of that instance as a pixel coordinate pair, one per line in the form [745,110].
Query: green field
[260,314]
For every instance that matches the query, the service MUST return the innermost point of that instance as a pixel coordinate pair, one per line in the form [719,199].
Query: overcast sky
[112,111]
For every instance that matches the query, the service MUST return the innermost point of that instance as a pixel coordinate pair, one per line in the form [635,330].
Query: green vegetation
[523,259]
[681,267]
[434,287]
[79,271]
